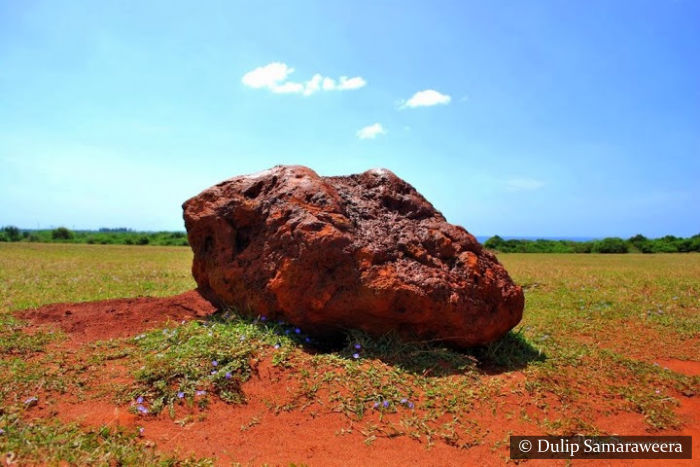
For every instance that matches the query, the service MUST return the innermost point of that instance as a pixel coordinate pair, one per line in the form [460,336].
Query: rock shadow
[432,359]
[510,353]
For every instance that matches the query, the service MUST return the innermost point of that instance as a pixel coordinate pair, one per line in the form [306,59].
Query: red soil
[124,317]
[686,367]
[255,434]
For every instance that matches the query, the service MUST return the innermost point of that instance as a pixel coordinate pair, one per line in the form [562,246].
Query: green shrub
[610,245]
[61,233]
[663,246]
[695,243]
[494,243]
[142,240]
[638,241]
[669,244]
[12,233]
[582,247]
[684,245]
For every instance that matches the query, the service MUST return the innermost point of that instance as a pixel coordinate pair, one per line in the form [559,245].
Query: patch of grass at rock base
[186,363]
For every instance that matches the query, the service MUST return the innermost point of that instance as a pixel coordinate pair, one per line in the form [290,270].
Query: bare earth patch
[117,318]
[686,367]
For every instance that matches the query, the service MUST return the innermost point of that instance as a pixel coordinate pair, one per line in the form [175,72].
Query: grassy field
[33,274]
[598,343]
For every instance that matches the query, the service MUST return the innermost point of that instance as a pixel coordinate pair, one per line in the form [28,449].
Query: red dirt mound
[122,317]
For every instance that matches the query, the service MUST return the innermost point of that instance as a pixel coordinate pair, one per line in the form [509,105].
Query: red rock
[364,251]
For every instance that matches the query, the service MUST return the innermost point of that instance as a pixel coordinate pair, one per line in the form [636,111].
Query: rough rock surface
[363,251]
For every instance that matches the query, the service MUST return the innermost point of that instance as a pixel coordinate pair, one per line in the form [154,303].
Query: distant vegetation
[125,236]
[103,236]
[636,244]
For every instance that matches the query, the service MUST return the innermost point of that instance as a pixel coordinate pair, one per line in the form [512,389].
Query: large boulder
[362,251]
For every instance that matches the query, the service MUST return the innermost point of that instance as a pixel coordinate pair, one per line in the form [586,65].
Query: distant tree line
[636,244]
[114,229]
[103,236]
[124,236]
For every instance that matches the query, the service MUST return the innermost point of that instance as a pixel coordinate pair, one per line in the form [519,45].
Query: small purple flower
[141,430]
[263,318]
[375,405]
[2,432]
[385,404]
[214,363]
[356,355]
[276,346]
[297,330]
[180,395]
[307,340]
[139,400]
[358,346]
[404,401]
[201,393]
[32,401]
[410,405]
[228,375]
[286,331]
[143,410]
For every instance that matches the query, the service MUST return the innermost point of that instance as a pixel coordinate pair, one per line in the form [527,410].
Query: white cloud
[313,85]
[328,84]
[371,131]
[288,88]
[269,76]
[427,98]
[523,184]
[351,83]
[273,77]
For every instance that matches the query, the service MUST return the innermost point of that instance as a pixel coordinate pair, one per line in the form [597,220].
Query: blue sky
[537,118]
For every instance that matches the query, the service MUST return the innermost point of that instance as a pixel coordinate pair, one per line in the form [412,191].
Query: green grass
[53,442]
[185,363]
[37,274]
[593,329]
[615,301]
